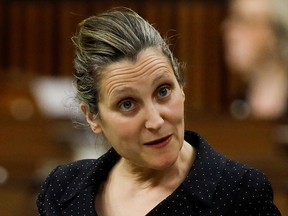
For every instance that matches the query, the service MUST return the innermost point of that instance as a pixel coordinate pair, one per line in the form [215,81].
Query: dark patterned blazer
[214,186]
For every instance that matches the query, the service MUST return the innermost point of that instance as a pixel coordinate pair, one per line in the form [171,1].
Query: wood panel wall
[35,40]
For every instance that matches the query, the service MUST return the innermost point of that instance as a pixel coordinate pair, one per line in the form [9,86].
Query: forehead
[147,62]
[143,56]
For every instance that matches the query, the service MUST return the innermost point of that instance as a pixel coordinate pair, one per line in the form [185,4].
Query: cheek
[176,110]
[118,129]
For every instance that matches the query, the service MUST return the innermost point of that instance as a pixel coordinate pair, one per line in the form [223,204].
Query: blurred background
[38,109]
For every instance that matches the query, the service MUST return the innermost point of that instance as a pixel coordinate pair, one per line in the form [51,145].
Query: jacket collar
[97,173]
[200,184]
[206,171]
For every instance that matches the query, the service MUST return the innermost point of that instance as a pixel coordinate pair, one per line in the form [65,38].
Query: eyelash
[167,87]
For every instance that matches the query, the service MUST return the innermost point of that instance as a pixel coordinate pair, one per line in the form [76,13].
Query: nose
[154,120]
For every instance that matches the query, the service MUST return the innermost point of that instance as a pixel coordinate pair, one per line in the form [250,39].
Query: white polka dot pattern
[215,186]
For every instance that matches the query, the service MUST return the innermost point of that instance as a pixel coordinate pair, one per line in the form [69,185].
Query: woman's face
[141,110]
[249,37]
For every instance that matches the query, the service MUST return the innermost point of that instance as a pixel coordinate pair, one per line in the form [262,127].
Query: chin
[165,163]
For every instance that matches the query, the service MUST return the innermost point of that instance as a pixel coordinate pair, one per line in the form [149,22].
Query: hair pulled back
[107,38]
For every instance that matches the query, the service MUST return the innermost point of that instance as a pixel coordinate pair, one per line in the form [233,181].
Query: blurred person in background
[256,47]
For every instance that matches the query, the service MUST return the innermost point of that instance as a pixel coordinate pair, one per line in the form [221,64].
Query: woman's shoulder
[245,172]
[226,185]
[251,180]
[61,184]
[249,188]
[83,169]
[72,173]
[224,169]
[80,171]
[67,180]
[73,169]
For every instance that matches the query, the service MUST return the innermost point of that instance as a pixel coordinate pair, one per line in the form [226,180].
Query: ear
[90,118]
[183,94]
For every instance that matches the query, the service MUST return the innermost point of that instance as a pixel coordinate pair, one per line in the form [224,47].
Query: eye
[164,91]
[126,105]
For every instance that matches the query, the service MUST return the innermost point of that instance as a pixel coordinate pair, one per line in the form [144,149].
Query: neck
[149,178]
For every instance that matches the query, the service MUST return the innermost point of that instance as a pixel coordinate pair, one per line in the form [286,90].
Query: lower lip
[161,144]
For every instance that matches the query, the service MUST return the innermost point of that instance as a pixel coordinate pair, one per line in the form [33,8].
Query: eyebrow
[159,77]
[127,89]
[122,91]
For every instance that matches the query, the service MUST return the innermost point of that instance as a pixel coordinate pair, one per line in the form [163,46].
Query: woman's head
[141,110]
[127,77]
[108,38]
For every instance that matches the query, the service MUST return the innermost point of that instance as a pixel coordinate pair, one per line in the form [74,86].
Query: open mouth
[160,142]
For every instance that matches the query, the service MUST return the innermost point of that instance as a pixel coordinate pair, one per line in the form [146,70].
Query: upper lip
[157,140]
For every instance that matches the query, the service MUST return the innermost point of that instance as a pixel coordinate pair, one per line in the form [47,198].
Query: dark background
[35,42]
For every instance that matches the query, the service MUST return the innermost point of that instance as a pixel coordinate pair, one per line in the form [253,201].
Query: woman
[256,48]
[131,91]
